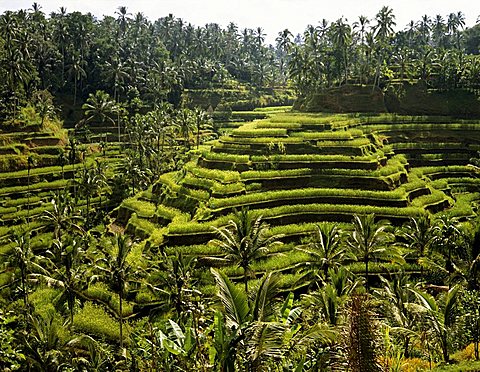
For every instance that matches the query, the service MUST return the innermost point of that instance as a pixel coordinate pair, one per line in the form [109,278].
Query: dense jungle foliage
[146,225]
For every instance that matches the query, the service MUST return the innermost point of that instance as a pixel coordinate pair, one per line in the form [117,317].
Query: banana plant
[440,316]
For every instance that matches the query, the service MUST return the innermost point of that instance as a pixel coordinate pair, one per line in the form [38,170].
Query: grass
[269,174]
[302,194]
[435,196]
[93,319]
[213,174]
[141,208]
[172,214]
[318,158]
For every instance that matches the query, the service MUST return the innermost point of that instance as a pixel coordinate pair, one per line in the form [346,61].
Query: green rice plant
[301,194]
[43,170]
[43,299]
[269,174]
[170,180]
[440,184]
[318,158]
[413,184]
[463,205]
[338,208]
[157,237]
[198,227]
[281,261]
[233,158]
[203,183]
[214,174]
[261,140]
[425,171]
[48,150]
[100,292]
[15,148]
[287,125]
[93,319]
[22,201]
[172,214]
[231,188]
[435,196]
[141,208]
[7,210]
[140,226]
[338,135]
[259,132]
[194,250]
[356,142]
[24,213]
[461,181]
[273,109]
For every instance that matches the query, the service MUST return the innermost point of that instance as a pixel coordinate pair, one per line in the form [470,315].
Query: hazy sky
[272,15]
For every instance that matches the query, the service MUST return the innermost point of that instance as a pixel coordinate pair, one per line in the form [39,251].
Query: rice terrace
[185,197]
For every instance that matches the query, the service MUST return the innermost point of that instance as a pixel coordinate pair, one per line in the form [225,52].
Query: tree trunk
[367,287]
[446,357]
[245,279]
[120,294]
[75,91]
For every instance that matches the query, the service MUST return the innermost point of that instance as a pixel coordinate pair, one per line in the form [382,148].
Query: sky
[272,15]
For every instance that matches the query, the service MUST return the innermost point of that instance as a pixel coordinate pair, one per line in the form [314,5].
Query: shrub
[93,319]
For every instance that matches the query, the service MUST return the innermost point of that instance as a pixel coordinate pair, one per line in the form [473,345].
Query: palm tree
[99,106]
[63,217]
[202,121]
[76,69]
[419,234]
[397,296]
[440,316]
[118,271]
[383,30]
[22,260]
[341,37]
[329,300]
[244,241]
[122,19]
[185,124]
[60,268]
[253,329]
[369,241]
[361,336]
[326,250]
[448,239]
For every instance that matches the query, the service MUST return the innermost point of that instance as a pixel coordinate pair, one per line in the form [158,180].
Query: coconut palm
[396,296]
[329,300]
[76,70]
[185,124]
[60,267]
[118,271]
[63,216]
[370,241]
[440,316]
[253,330]
[326,250]
[448,240]
[419,234]
[202,121]
[244,241]
[21,260]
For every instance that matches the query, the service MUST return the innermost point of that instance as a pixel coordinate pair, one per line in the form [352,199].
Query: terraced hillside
[296,170]
[37,163]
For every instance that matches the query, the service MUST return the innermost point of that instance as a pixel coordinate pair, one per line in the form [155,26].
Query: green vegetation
[156,215]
